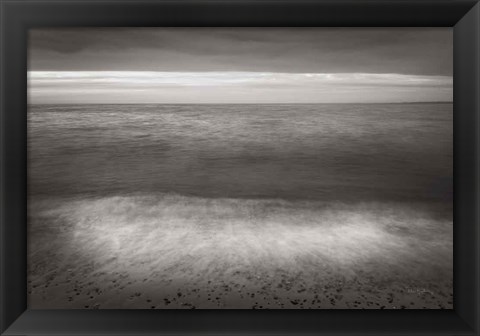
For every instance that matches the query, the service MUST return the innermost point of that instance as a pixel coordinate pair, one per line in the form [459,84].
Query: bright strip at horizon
[50,87]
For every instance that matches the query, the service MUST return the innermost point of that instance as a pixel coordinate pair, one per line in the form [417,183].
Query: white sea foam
[181,237]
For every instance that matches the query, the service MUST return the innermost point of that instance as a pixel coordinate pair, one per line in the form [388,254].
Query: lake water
[344,152]
[240,206]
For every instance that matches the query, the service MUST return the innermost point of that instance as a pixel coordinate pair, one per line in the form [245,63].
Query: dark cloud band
[416,51]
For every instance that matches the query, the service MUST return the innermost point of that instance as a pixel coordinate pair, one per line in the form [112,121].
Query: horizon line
[347,103]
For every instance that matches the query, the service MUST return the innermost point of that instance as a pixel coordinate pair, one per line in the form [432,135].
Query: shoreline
[176,252]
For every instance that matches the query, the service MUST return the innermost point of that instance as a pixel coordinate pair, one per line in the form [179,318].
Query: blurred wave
[179,237]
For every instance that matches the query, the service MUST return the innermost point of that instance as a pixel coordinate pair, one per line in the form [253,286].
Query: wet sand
[118,291]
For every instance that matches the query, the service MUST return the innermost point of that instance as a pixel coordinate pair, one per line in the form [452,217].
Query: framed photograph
[270,167]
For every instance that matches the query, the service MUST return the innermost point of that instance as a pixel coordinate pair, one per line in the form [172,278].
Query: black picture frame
[17,16]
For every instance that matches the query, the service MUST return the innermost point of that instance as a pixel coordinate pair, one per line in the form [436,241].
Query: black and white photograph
[240,168]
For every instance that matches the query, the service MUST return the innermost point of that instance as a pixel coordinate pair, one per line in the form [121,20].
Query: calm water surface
[339,152]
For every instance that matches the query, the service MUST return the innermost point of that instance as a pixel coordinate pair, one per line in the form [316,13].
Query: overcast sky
[240,65]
